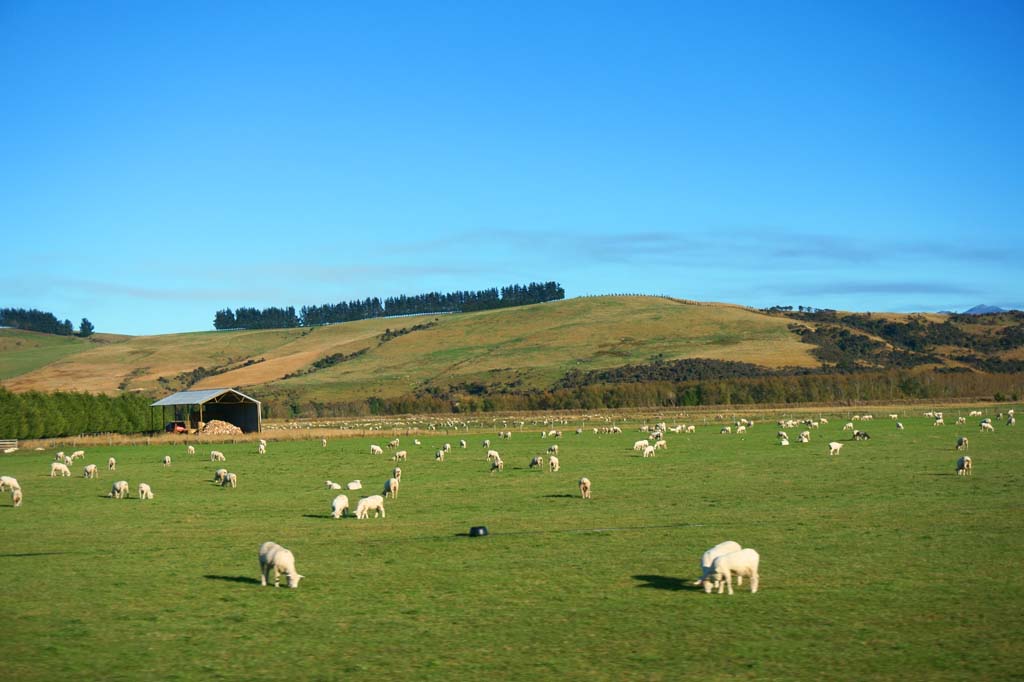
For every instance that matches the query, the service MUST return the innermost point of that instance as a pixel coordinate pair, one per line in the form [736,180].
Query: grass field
[876,564]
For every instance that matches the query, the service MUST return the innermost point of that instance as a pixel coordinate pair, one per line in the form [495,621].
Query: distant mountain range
[984,309]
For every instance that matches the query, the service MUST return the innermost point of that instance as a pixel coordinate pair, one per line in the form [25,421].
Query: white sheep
[77,453]
[939,421]
[962,443]
[439,456]
[708,557]
[145,492]
[59,468]
[339,506]
[487,443]
[190,450]
[391,488]
[463,444]
[497,464]
[447,447]
[725,430]
[988,427]
[741,429]
[111,464]
[648,451]
[401,455]
[492,454]
[374,503]
[261,449]
[640,445]
[553,464]
[899,426]
[537,461]
[90,471]
[784,441]
[416,441]
[848,426]
[331,485]
[167,460]
[397,473]
[9,482]
[354,485]
[661,445]
[964,466]
[119,490]
[230,479]
[274,556]
[323,442]
[741,563]
[553,450]
[585,488]
[805,437]
[216,456]
[219,474]
[834,448]
[376,450]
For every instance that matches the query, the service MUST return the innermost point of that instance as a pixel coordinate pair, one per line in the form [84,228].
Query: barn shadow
[664,582]
[234,579]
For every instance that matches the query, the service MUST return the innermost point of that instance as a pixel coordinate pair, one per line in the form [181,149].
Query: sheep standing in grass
[961,443]
[323,442]
[648,451]
[537,461]
[339,506]
[230,479]
[111,464]
[439,456]
[9,483]
[274,556]
[191,450]
[90,471]
[59,468]
[986,426]
[401,456]
[119,490]
[374,503]
[834,448]
[964,466]
[261,449]
[708,557]
[391,488]
[463,444]
[742,563]
[376,450]
[216,456]
[585,488]
[553,464]
[219,474]
[553,450]
[396,473]
[899,426]
[145,492]
[497,464]
[167,460]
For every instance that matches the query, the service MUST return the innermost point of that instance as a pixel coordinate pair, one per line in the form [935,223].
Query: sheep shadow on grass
[562,495]
[234,579]
[664,582]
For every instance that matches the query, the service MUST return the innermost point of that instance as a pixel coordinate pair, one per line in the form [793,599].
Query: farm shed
[225,404]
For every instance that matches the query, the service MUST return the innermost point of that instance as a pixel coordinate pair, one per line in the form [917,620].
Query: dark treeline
[53,415]
[332,313]
[35,321]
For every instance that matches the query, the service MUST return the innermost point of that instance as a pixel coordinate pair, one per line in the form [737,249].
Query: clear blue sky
[161,161]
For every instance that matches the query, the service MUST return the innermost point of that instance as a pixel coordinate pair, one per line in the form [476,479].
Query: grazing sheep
[848,426]
[782,434]
[77,453]
[394,443]
[553,450]
[708,557]
[323,442]
[447,447]
[585,488]
[1011,421]
[16,497]
[492,454]
[401,456]
[10,483]
[661,445]
[397,473]
[219,474]
[262,442]
[537,461]
[741,429]
[439,456]
[190,450]
[899,426]
[463,444]
[648,451]
[805,437]
[497,464]
[964,466]
[391,488]
[726,429]
[216,456]
[59,468]
[230,479]
[961,443]
[741,563]
[784,441]
[487,443]
[274,556]
[974,413]
[416,441]
[985,426]
[111,464]
[861,435]
[261,449]
[834,448]
[374,503]
[354,485]
[90,471]
[331,485]
[145,492]
[939,421]
[167,460]
[553,464]
[376,450]
[961,420]
[119,490]
[339,506]
[640,445]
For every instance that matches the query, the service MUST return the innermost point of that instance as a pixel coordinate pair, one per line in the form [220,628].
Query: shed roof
[217,395]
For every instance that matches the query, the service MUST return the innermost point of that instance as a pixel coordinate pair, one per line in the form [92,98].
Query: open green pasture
[876,564]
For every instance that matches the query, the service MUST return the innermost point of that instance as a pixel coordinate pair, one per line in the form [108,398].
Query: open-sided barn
[225,404]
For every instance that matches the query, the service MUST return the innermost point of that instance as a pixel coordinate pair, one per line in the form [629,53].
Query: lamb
[848,426]
[167,460]
[988,427]
[145,492]
[396,473]
[374,503]
[119,490]
[261,449]
[77,453]
[354,485]
[690,428]
[648,451]
[230,479]
[726,429]
[741,563]
[391,488]
[640,445]
[741,429]
[1011,421]
[331,485]
[585,488]
[487,443]
[861,435]
[219,474]
[782,435]
[216,456]
[537,461]
[393,443]
[661,445]
[323,442]
[90,471]
[708,557]
[447,447]
[274,556]
[401,455]
[463,444]
[492,454]
[9,482]
[964,466]
[834,448]
[439,456]
[961,443]
[805,437]
[961,420]
[416,441]
[553,450]
[497,464]
[111,464]
[784,442]
[59,468]
[190,450]
[894,416]
[899,426]
[339,506]
[376,450]
[553,464]
[939,421]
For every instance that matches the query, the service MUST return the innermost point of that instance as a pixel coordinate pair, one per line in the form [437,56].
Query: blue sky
[161,161]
